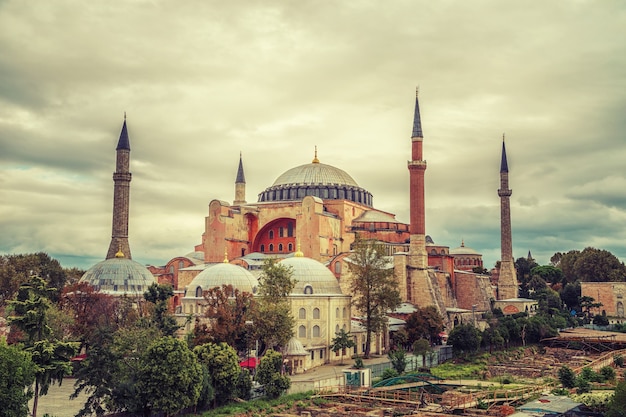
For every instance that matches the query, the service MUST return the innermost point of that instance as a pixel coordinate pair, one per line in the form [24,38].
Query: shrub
[567,377]
[389,373]
[618,360]
[607,373]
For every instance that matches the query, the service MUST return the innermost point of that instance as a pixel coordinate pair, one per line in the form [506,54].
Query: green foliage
[223,365]
[421,347]
[269,374]
[450,370]
[17,374]
[398,360]
[157,295]
[607,373]
[389,373]
[31,316]
[596,401]
[425,323]
[358,363]
[342,340]
[592,265]
[244,384]
[617,405]
[600,320]
[273,321]
[567,377]
[16,270]
[618,360]
[170,377]
[374,287]
[570,295]
[464,339]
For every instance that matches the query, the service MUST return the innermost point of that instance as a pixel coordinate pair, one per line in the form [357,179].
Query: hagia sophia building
[309,218]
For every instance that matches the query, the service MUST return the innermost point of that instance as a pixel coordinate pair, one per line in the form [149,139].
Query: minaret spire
[121,197]
[507,281]
[240,184]
[417,167]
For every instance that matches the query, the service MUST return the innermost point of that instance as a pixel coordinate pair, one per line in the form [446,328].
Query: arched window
[316,313]
[199,292]
[290,229]
[433,252]
[337,267]
[443,251]
[337,312]
[271,234]
[271,247]
[308,289]
[280,247]
[316,331]
[344,312]
[336,328]
[281,231]
[181,264]
[262,248]
[290,247]
[302,313]
[171,269]
[302,332]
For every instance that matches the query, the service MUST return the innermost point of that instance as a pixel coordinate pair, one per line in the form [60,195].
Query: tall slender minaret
[507,283]
[121,197]
[418,258]
[240,185]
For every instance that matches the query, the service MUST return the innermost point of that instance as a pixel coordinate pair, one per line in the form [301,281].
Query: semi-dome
[118,276]
[316,179]
[311,277]
[222,274]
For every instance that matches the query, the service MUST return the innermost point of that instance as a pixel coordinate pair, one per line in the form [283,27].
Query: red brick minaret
[418,258]
[507,283]
[121,197]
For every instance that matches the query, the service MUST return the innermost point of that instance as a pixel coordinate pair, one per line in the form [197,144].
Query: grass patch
[449,370]
[260,406]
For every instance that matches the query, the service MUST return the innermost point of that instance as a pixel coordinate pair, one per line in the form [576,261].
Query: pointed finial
[315,160]
[119,253]
[124,115]
[462,243]
[298,253]
[417,91]
[502,136]
[226,256]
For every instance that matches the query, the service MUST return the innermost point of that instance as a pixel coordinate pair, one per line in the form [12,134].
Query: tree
[617,405]
[548,273]
[374,287]
[523,266]
[342,341]
[17,374]
[228,310]
[425,323]
[30,315]
[170,376]
[592,265]
[398,360]
[420,348]
[157,295]
[570,295]
[567,377]
[273,321]
[222,363]
[16,270]
[464,339]
[270,375]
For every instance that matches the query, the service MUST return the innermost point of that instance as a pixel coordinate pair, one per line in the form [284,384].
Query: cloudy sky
[202,81]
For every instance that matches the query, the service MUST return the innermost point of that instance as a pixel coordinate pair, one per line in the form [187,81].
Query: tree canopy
[374,286]
[591,265]
[17,374]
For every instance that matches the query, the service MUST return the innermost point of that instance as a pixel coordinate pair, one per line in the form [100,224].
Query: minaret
[418,258]
[507,283]
[121,197]
[240,185]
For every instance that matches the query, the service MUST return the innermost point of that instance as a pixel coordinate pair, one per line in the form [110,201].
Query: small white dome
[223,274]
[118,276]
[311,276]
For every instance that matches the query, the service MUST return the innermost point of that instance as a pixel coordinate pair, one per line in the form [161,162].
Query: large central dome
[320,180]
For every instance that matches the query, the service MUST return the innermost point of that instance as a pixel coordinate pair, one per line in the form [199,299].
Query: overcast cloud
[203,80]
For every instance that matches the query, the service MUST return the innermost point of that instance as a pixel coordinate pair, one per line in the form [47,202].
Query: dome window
[198,292]
[308,289]
[271,234]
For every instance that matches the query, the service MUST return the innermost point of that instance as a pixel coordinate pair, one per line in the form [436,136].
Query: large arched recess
[276,237]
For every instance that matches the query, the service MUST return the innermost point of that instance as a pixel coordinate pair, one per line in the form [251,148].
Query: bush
[389,373]
[618,360]
[607,373]
[567,377]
